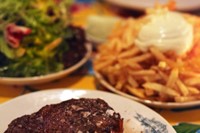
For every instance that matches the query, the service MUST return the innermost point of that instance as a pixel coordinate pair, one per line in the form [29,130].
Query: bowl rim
[48,77]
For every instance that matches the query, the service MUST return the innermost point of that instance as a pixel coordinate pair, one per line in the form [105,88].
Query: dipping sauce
[166,30]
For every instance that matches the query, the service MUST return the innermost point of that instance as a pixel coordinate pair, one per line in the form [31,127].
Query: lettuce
[48,20]
[5,49]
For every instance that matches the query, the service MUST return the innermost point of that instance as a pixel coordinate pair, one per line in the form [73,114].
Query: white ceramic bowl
[48,77]
[183,5]
[157,104]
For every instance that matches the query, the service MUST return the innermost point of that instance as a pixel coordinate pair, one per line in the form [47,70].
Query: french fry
[161,57]
[113,69]
[103,58]
[193,90]
[172,78]
[115,45]
[149,92]
[129,53]
[142,73]
[103,65]
[183,89]
[132,65]
[179,63]
[161,88]
[137,92]
[190,74]
[120,83]
[162,65]
[132,81]
[192,81]
[128,38]
[151,78]
[187,98]
[112,79]
[141,58]
[164,97]
[163,75]
[118,31]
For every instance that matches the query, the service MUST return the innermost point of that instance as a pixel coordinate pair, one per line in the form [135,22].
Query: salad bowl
[38,41]
[48,77]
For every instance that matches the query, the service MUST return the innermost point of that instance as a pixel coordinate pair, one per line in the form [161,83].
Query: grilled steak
[82,115]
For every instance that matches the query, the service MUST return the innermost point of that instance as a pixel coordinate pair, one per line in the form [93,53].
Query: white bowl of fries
[166,79]
[157,104]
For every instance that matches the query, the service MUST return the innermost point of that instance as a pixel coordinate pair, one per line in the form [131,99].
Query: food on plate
[37,38]
[155,57]
[103,25]
[82,115]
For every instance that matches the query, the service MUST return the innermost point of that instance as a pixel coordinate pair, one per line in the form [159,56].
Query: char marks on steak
[82,115]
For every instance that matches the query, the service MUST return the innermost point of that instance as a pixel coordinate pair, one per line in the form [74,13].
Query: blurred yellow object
[53,44]
[72,82]
[20,52]
[98,28]
[80,18]
[4,99]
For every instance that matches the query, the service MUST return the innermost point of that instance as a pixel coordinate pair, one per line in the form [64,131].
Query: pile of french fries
[152,74]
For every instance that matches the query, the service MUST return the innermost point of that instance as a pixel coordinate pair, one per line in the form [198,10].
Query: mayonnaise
[166,30]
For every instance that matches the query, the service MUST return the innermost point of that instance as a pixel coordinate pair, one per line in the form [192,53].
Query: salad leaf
[187,128]
[48,21]
[5,49]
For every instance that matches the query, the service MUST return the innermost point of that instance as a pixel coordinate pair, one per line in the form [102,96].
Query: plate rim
[121,3]
[157,104]
[48,77]
[59,90]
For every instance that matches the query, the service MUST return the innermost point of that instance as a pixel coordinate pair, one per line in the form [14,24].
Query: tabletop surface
[86,80]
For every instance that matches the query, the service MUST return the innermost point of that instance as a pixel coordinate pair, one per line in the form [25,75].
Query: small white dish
[157,104]
[183,5]
[49,77]
[137,117]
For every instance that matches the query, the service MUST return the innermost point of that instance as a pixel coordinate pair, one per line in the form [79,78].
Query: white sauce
[166,30]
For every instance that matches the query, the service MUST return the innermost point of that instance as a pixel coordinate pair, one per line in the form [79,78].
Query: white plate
[49,77]
[184,5]
[137,117]
[157,104]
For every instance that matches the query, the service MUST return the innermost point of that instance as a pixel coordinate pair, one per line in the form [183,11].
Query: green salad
[37,38]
